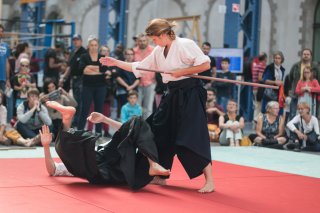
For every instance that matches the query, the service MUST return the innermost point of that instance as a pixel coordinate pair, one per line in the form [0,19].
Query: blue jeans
[293,108]
[25,131]
[89,94]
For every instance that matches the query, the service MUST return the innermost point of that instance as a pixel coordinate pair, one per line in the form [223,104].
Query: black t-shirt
[128,77]
[51,72]
[209,71]
[92,80]
[75,61]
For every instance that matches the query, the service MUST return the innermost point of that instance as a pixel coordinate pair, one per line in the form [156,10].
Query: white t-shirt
[183,53]
[307,127]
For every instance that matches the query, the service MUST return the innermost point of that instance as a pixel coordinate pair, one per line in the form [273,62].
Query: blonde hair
[92,38]
[24,61]
[304,105]
[311,71]
[156,27]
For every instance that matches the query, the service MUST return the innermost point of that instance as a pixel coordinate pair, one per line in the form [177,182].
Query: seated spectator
[307,89]
[232,125]
[301,127]
[3,122]
[214,111]
[22,81]
[132,108]
[31,116]
[270,128]
[52,93]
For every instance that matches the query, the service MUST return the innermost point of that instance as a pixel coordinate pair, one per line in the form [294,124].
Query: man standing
[296,74]
[4,63]
[75,73]
[206,47]
[148,79]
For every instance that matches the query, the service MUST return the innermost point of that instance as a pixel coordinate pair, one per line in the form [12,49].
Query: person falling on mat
[116,162]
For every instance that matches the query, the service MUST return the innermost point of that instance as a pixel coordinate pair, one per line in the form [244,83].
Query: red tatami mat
[26,187]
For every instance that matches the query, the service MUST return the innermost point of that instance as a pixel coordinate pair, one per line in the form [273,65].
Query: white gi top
[313,124]
[61,170]
[183,53]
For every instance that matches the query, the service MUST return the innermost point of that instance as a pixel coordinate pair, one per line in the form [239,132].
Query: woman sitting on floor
[270,128]
[232,125]
[117,162]
[304,130]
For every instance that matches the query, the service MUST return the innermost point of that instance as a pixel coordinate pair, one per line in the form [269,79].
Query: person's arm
[191,70]
[315,124]
[8,73]
[124,115]
[96,117]
[24,117]
[44,115]
[293,128]
[135,84]
[315,86]
[122,82]
[299,90]
[46,139]
[53,64]
[222,124]
[109,61]
[281,127]
[259,127]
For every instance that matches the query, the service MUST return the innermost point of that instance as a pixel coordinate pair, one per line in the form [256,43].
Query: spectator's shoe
[297,147]
[289,146]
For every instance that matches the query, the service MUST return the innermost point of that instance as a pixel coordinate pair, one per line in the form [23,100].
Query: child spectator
[224,89]
[306,89]
[22,81]
[132,108]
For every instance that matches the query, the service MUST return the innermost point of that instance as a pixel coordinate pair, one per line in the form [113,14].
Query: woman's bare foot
[207,188]
[159,181]
[67,112]
[156,169]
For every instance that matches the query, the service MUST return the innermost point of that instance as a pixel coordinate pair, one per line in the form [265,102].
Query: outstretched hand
[108,61]
[46,136]
[95,117]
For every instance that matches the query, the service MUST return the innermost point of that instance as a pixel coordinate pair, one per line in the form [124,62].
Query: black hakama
[180,126]
[118,162]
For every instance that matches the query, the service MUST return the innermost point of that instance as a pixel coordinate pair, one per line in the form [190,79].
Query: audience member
[31,116]
[148,79]
[22,82]
[296,74]
[126,81]
[270,128]
[94,83]
[22,51]
[214,111]
[258,66]
[273,75]
[206,47]
[304,129]
[132,108]
[224,89]
[232,125]
[307,89]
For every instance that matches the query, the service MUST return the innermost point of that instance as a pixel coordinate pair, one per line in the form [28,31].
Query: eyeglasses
[24,65]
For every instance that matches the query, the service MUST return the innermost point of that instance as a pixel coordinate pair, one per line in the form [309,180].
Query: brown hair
[133,93]
[307,68]
[156,27]
[33,91]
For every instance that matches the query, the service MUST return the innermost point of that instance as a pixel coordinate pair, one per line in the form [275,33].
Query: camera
[54,95]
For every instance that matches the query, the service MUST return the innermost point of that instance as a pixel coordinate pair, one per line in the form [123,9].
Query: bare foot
[156,169]
[207,188]
[67,112]
[159,181]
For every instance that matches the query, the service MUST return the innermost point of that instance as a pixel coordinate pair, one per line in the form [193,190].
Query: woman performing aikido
[117,162]
[179,124]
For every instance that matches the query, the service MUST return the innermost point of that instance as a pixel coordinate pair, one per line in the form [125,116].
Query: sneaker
[297,147]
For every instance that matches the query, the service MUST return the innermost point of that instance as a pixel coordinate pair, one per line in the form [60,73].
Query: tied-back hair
[156,27]
[307,68]
[304,105]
